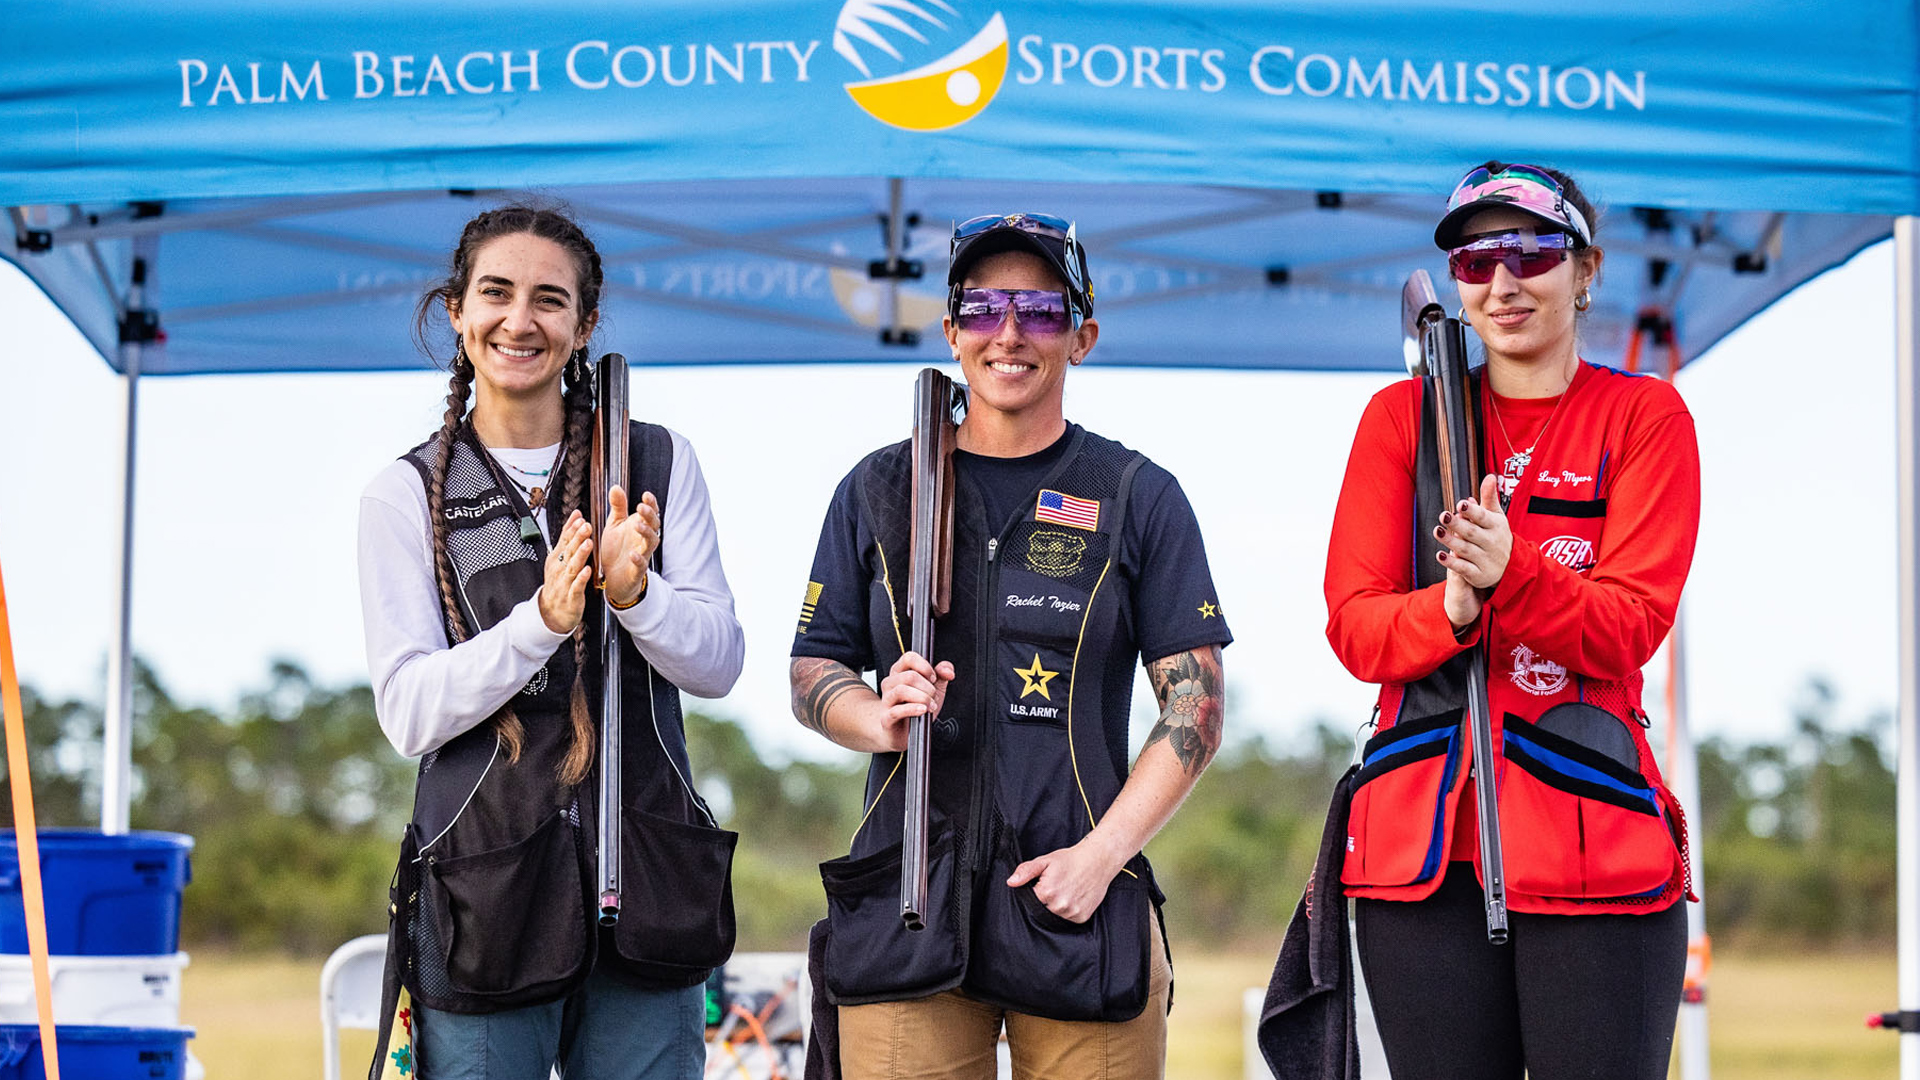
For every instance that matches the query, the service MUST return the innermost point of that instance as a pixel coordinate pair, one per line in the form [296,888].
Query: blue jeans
[612,1028]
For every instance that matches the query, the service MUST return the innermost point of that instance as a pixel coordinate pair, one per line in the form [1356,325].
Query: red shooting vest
[1588,826]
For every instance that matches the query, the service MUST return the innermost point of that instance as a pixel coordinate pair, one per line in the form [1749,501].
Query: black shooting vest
[493,898]
[1024,757]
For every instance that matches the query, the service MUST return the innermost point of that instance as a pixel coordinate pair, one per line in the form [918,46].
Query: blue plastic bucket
[90,1052]
[106,895]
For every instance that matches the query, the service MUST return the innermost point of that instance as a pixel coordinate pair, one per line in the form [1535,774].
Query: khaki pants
[952,1036]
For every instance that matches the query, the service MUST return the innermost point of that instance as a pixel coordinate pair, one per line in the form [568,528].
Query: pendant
[1520,459]
[537,498]
[529,532]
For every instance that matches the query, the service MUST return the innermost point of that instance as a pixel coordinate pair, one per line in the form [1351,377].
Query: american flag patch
[1067,510]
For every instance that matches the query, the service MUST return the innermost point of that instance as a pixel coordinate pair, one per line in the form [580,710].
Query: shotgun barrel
[1437,351]
[609,469]
[937,405]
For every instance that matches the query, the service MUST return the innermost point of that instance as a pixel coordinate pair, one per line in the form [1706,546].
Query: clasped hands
[1477,543]
[628,541]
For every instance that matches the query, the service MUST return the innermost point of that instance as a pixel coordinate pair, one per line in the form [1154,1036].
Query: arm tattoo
[818,684]
[1192,700]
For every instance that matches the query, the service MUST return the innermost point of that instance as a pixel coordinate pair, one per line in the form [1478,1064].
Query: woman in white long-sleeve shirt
[476,567]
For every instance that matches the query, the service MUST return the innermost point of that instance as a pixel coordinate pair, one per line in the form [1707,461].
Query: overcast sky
[249,485]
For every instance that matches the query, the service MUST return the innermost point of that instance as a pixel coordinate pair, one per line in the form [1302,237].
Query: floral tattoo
[1192,701]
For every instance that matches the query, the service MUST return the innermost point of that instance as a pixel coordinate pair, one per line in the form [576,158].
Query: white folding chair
[350,993]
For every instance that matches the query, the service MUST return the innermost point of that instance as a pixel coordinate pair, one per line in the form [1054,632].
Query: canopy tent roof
[1253,182]
[781,272]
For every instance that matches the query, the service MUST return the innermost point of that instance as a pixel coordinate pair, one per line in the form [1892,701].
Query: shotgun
[938,405]
[609,468]
[1436,350]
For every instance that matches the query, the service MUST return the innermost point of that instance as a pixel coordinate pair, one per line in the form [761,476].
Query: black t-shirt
[1162,558]
[1004,483]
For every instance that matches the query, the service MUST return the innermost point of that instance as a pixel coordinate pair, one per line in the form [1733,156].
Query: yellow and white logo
[945,92]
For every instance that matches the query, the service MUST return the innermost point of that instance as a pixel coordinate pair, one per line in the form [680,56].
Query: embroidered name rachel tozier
[1054,602]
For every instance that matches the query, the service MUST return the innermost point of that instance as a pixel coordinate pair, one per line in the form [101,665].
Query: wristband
[637,597]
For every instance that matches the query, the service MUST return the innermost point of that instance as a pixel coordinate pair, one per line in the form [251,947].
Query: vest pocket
[676,892]
[1397,824]
[1579,824]
[871,955]
[511,918]
[1036,962]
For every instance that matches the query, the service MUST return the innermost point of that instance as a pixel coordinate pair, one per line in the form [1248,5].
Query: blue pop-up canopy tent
[205,187]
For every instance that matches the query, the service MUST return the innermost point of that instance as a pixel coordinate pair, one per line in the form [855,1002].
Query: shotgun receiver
[609,468]
[1436,351]
[938,406]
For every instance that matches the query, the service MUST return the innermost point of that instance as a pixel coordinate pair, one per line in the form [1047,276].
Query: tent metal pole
[116,788]
[1683,774]
[896,240]
[1906,322]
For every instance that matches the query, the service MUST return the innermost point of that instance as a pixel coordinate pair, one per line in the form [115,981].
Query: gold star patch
[1035,679]
[1208,610]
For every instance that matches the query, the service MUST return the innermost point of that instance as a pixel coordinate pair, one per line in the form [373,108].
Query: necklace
[1514,468]
[535,493]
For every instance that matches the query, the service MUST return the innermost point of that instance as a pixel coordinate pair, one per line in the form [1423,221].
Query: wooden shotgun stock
[937,406]
[1437,352]
[609,468]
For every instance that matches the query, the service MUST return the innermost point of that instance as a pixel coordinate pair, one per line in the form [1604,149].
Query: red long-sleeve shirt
[1605,623]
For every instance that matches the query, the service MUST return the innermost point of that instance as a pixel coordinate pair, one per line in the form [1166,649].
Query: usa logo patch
[1573,552]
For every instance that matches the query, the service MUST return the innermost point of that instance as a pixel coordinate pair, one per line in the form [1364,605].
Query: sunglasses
[1040,312]
[1522,253]
[1048,225]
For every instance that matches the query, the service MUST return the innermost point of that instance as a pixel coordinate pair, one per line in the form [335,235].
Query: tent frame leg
[1906,322]
[1683,774]
[116,787]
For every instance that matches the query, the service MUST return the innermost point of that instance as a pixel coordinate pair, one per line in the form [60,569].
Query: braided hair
[554,224]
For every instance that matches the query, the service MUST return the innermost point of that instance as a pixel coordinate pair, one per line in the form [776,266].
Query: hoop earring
[1583,300]
[1461,315]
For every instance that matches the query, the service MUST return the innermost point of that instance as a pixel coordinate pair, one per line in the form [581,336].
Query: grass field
[1791,1017]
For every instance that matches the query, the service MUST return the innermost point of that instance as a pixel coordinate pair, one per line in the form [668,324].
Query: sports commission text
[1279,71]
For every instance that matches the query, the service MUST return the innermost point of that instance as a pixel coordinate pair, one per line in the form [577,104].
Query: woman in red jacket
[1567,567]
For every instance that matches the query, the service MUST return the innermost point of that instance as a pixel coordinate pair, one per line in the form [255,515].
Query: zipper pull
[993,545]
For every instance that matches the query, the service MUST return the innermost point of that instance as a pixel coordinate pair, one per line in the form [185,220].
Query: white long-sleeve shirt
[426,693]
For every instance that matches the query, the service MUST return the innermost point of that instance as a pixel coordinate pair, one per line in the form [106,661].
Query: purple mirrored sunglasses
[1042,312]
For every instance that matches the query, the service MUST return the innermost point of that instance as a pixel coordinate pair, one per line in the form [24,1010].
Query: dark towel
[1306,1029]
[823,1040]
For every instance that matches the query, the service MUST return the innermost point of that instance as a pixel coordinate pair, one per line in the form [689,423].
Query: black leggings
[1567,996]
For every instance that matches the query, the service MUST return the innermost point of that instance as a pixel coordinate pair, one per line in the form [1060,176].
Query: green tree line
[295,801]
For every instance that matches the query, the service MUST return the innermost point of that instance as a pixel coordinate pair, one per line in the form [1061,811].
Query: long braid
[506,725]
[579,405]
[459,387]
